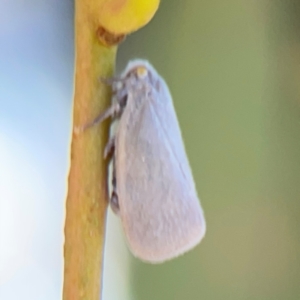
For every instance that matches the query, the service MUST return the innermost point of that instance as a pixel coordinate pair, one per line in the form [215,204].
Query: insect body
[153,189]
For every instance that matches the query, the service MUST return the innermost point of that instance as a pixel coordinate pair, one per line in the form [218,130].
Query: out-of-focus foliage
[233,68]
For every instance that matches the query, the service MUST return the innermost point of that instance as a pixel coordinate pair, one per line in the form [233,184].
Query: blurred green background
[233,68]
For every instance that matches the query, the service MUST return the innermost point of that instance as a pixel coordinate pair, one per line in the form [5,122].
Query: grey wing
[159,207]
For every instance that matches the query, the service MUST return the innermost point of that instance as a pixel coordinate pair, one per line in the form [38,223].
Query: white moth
[153,188]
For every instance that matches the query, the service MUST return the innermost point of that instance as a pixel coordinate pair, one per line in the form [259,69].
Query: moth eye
[118,85]
[141,72]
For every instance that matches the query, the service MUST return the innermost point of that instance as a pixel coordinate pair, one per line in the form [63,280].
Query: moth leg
[114,203]
[112,111]
[114,200]
[109,148]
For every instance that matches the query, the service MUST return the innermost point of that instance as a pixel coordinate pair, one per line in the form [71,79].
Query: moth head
[137,73]
[141,72]
[137,68]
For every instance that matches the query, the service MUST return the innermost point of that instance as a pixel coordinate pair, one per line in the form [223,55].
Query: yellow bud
[125,16]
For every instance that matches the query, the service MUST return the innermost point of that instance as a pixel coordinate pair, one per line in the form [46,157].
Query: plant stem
[87,185]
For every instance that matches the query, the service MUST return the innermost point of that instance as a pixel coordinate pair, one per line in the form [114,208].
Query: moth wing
[159,207]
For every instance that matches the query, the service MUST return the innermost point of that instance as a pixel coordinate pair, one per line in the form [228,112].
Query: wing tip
[168,253]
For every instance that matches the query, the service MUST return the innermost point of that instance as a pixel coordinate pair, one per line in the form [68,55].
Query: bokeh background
[233,68]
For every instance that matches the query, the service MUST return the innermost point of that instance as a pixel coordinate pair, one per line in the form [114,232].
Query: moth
[153,188]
